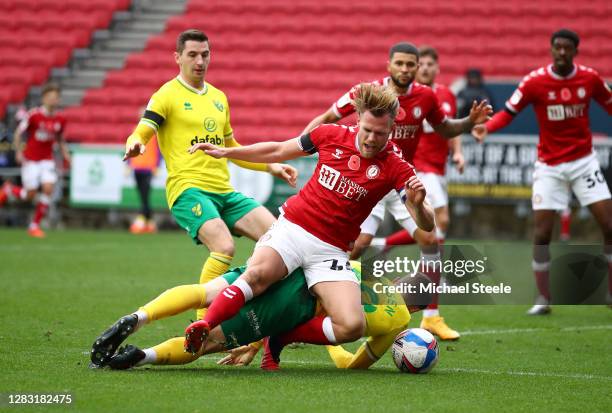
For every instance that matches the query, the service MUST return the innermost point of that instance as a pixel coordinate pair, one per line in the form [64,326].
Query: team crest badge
[372,172]
[416,112]
[566,94]
[537,199]
[210,124]
[581,92]
[354,163]
[197,210]
[218,105]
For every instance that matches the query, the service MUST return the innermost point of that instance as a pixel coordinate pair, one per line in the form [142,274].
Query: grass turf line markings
[534,330]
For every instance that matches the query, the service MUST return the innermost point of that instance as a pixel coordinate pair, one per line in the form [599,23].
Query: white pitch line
[478,371]
[534,330]
[528,373]
[212,357]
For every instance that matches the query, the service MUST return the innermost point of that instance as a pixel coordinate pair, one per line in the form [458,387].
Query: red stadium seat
[283,62]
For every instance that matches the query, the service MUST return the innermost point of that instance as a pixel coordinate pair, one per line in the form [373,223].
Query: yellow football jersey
[182,116]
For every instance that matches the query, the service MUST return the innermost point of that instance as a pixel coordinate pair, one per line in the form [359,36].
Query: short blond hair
[376,99]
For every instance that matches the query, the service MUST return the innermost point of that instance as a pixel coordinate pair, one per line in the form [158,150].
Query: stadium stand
[45,32]
[282,62]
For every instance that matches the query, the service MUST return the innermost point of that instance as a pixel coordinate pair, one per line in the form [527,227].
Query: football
[415,351]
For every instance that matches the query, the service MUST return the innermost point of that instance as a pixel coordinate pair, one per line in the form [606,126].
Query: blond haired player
[188,110]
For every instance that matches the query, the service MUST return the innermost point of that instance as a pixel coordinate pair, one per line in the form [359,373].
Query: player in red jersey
[417,104]
[561,94]
[430,164]
[432,152]
[43,127]
[357,167]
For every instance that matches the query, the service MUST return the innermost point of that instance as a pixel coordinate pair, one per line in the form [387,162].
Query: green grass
[58,294]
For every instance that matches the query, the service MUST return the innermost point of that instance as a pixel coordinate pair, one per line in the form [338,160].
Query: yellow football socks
[172,352]
[340,356]
[174,301]
[216,264]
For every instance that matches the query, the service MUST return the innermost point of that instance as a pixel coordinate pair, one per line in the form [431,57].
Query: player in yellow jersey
[285,305]
[187,110]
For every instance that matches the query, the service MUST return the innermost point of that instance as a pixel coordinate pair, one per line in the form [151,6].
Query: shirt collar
[552,74]
[191,88]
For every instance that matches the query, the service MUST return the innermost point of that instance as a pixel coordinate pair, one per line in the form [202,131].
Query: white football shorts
[299,248]
[552,183]
[34,173]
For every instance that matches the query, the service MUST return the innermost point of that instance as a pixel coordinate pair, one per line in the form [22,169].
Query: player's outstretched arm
[500,120]
[479,113]
[136,142]
[280,170]
[417,206]
[268,152]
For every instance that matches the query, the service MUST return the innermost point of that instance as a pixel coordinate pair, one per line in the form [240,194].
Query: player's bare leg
[602,211]
[442,223]
[341,301]
[255,223]
[42,206]
[362,242]
[544,221]
[430,255]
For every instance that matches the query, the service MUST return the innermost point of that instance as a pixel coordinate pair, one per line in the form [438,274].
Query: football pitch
[59,293]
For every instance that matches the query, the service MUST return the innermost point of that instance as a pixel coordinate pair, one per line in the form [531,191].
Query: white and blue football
[415,351]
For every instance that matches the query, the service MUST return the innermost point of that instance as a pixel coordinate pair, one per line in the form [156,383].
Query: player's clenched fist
[415,190]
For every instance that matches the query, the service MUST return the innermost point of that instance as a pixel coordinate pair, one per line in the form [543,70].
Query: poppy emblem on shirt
[354,163]
[566,94]
[581,92]
[372,172]
[416,112]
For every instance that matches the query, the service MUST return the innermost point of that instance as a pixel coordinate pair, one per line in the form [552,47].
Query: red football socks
[401,237]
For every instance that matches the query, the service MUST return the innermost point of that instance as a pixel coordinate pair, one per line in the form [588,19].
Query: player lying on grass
[281,308]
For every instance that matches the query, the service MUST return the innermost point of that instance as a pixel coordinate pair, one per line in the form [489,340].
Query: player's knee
[226,248]
[542,235]
[349,327]
[258,278]
[428,239]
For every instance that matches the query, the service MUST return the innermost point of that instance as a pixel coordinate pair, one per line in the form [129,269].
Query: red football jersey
[42,129]
[344,186]
[417,104]
[432,151]
[562,107]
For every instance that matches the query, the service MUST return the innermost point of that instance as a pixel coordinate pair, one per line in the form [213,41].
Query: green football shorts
[285,305]
[194,207]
